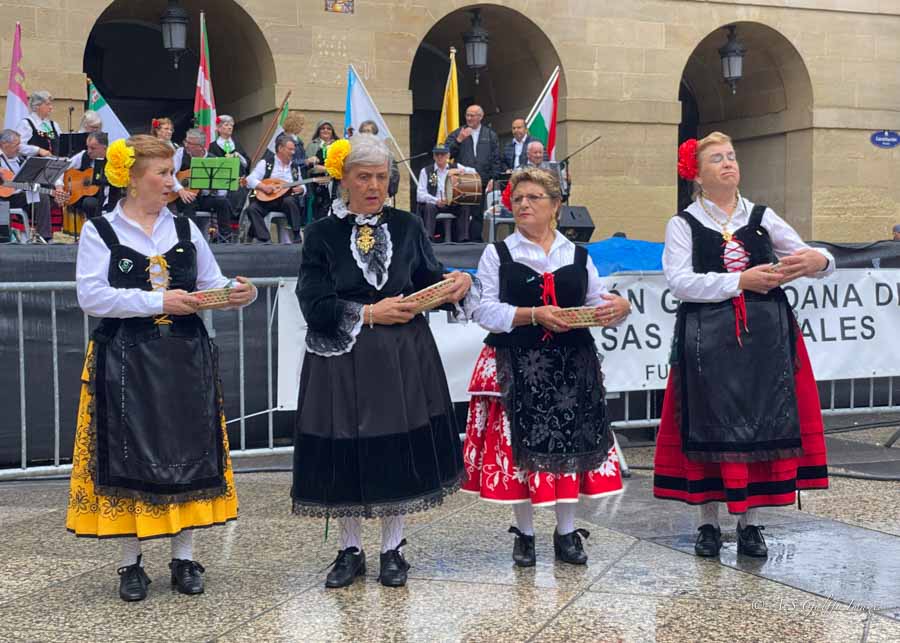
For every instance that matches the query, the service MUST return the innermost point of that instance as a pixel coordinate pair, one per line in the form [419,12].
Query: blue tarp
[616,255]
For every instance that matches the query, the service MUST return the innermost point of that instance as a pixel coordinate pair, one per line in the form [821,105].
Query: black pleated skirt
[375,433]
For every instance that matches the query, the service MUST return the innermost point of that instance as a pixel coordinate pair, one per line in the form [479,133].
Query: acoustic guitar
[78,183]
[281,188]
[184,178]
[8,187]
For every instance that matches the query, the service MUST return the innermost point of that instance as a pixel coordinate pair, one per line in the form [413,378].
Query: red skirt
[743,485]
[487,454]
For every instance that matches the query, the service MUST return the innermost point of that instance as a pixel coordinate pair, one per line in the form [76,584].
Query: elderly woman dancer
[741,422]
[537,432]
[375,434]
[151,453]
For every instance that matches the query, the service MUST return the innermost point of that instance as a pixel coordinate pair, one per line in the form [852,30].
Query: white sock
[709,514]
[565,517]
[183,545]
[524,514]
[351,533]
[391,532]
[751,517]
[131,549]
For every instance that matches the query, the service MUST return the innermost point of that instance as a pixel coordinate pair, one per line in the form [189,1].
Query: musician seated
[38,132]
[190,201]
[163,128]
[226,146]
[90,122]
[282,168]
[84,186]
[432,183]
[37,205]
[537,157]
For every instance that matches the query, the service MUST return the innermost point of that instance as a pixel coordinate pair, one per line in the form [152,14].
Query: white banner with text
[850,321]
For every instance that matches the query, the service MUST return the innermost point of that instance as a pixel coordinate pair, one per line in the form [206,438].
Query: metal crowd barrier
[629,410]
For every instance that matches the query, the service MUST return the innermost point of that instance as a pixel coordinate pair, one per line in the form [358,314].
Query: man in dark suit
[475,146]
[515,154]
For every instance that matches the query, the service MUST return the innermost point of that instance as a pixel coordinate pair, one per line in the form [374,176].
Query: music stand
[215,173]
[41,170]
[72,144]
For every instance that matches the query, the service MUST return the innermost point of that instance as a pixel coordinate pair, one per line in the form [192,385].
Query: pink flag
[16,98]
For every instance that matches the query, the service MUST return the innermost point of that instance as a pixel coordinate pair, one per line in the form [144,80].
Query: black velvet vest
[128,268]
[707,244]
[522,286]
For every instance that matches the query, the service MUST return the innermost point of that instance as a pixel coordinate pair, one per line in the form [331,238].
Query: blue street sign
[885,138]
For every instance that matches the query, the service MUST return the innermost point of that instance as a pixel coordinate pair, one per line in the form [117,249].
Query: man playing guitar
[271,177]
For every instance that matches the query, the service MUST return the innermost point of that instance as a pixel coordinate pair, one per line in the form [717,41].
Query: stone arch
[124,56]
[521,58]
[770,117]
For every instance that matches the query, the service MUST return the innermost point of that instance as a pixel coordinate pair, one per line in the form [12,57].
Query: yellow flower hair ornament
[119,159]
[337,153]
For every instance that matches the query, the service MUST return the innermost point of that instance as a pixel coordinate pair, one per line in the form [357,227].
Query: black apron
[551,384]
[157,394]
[736,383]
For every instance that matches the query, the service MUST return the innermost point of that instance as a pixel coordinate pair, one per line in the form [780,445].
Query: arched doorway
[520,60]
[124,56]
[769,118]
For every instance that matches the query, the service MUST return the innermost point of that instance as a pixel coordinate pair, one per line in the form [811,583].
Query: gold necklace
[726,235]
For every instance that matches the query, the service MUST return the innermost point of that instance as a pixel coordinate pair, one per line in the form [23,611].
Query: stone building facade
[819,78]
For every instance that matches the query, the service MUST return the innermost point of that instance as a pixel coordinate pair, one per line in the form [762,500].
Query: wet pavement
[833,573]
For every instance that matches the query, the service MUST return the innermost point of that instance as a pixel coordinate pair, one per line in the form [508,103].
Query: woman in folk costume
[151,453]
[538,432]
[163,128]
[375,435]
[741,421]
[324,190]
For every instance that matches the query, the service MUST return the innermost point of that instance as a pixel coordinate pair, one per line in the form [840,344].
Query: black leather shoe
[133,582]
[186,576]
[750,541]
[393,567]
[709,541]
[523,549]
[349,564]
[568,548]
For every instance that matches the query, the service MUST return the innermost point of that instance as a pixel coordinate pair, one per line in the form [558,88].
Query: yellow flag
[450,109]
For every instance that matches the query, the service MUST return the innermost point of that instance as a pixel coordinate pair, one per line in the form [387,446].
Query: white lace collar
[339,209]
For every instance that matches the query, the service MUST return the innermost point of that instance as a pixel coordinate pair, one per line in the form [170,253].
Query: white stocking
[131,549]
[391,532]
[749,518]
[351,533]
[183,545]
[709,514]
[524,513]
[565,517]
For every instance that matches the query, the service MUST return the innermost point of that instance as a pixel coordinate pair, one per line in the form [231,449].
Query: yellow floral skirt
[99,516]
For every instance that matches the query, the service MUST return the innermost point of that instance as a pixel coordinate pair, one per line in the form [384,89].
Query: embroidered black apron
[551,384]
[158,399]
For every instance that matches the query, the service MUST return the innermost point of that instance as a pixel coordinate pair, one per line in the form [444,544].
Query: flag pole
[267,136]
[541,96]
[390,135]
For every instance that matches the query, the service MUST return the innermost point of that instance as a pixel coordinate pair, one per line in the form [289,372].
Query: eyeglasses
[531,198]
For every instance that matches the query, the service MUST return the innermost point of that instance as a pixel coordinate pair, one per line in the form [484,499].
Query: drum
[463,189]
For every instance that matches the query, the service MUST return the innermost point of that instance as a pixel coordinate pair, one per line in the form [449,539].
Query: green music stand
[215,173]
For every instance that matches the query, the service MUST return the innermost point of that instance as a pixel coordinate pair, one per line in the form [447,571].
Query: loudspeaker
[575,223]
[4,222]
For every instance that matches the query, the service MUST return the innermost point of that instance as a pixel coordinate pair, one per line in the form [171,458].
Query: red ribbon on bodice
[548,296]
[736,258]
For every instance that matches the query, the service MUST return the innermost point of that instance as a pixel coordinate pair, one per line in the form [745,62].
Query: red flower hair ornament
[687,159]
[218,120]
[155,123]
[506,197]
